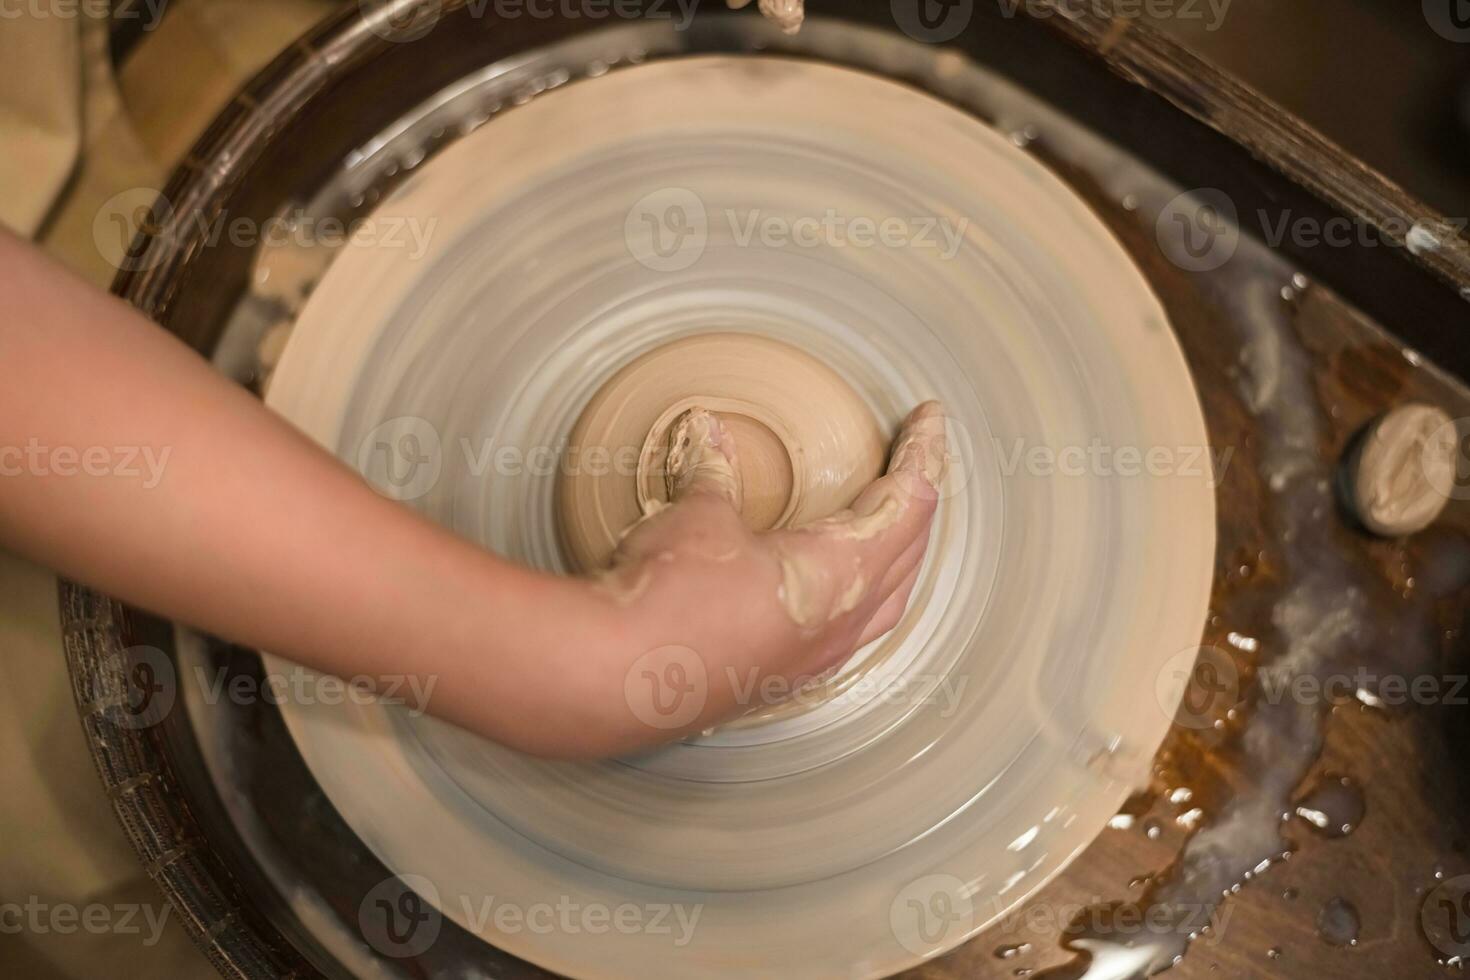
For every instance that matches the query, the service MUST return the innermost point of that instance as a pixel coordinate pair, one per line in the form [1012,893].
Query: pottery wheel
[984,742]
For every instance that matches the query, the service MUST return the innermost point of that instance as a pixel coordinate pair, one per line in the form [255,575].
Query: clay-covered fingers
[891,609]
[853,563]
[702,459]
[895,510]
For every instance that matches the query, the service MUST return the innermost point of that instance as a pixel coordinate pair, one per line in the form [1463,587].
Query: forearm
[234,522]
[240,525]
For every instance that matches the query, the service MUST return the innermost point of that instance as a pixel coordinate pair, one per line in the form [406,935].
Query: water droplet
[1025,136]
[1334,807]
[1011,952]
[1240,641]
[1421,239]
[1153,830]
[1338,924]
[1274,953]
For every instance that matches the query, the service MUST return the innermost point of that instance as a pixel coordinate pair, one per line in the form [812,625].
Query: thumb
[702,459]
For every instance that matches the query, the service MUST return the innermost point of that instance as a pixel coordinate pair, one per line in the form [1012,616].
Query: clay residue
[700,454]
[851,526]
[1405,461]
[805,443]
[923,444]
[785,14]
[810,591]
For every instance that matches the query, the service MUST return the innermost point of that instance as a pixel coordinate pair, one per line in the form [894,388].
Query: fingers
[702,459]
[891,611]
[852,563]
[895,589]
[905,564]
[896,509]
[922,446]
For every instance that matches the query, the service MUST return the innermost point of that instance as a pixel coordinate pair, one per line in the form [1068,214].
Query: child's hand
[253,532]
[725,608]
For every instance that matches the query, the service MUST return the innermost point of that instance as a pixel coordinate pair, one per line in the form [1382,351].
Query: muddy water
[1230,860]
[1317,638]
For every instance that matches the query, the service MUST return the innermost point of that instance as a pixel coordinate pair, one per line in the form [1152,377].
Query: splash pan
[995,733]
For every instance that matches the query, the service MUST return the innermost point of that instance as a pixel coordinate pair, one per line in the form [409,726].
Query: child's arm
[243,527]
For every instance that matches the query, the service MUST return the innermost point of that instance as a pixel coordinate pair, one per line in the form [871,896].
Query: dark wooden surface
[1409,762]
[1200,129]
